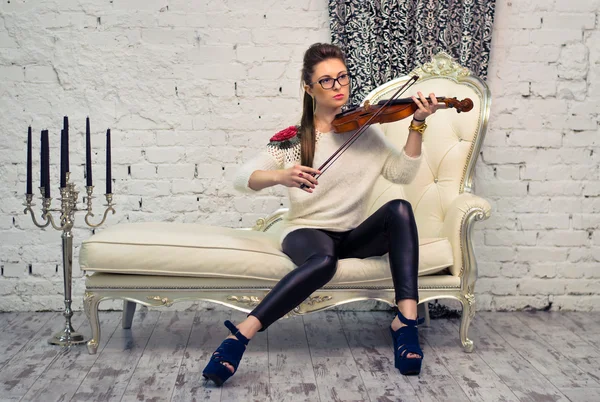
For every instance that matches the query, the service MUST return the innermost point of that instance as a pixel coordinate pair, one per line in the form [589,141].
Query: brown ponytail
[315,54]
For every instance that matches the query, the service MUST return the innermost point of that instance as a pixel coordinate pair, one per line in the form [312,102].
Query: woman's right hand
[298,175]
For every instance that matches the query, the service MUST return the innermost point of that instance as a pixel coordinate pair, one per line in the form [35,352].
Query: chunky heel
[406,340]
[230,351]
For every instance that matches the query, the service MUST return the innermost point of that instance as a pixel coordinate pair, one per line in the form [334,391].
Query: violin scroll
[464,105]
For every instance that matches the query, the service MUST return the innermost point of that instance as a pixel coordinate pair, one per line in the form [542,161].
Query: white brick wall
[191,89]
[539,166]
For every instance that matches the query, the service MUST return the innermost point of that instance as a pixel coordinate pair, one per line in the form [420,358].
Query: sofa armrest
[464,210]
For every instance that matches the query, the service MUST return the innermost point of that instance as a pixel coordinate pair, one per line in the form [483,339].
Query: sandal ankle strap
[236,332]
[410,323]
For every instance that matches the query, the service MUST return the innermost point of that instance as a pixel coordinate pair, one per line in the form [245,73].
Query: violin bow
[362,129]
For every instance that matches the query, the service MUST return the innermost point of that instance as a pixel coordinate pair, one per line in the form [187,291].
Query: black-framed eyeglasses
[329,83]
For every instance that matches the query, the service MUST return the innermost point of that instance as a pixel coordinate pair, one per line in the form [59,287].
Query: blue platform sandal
[230,351]
[406,340]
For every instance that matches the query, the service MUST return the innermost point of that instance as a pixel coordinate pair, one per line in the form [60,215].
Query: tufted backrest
[450,147]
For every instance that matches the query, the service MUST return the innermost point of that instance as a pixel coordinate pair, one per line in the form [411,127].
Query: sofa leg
[91,302]
[423,312]
[468,304]
[128,312]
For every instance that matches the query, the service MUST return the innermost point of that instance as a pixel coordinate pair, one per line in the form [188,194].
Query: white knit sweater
[338,202]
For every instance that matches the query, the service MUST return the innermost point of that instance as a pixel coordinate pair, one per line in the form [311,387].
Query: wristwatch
[419,129]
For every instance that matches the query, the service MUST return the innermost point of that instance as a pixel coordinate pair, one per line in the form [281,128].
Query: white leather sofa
[158,264]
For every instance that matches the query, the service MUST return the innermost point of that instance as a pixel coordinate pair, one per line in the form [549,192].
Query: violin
[385,111]
[394,110]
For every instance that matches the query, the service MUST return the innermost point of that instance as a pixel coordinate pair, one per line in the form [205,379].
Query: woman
[324,221]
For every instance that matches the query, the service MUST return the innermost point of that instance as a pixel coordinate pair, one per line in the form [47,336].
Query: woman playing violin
[325,221]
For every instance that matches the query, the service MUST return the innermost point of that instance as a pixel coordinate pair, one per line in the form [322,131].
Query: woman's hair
[315,54]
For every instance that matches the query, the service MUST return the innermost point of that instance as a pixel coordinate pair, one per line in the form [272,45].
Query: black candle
[88,153]
[29,161]
[108,170]
[42,175]
[46,165]
[66,128]
[63,159]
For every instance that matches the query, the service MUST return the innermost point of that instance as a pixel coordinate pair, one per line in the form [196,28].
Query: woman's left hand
[425,108]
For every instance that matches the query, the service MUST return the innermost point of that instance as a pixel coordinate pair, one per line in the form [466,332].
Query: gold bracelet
[419,129]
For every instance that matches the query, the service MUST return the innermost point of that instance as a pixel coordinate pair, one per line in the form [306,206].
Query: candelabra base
[67,337]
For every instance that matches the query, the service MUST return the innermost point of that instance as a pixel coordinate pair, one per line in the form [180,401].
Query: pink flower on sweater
[285,134]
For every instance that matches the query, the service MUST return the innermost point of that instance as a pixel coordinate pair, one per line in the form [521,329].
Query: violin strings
[361,130]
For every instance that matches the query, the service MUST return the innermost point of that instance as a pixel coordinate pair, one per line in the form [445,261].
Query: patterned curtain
[385,39]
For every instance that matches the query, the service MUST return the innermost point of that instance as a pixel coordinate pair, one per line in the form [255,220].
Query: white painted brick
[165,154]
[273,69]
[495,253]
[569,20]
[554,36]
[555,188]
[534,255]
[532,71]
[582,139]
[497,286]
[40,74]
[220,36]
[514,270]
[293,36]
[588,287]
[509,238]
[488,269]
[579,270]
[563,238]
[523,204]
[546,53]
[543,89]
[510,172]
[581,123]
[526,21]
[177,205]
[179,171]
[577,303]
[546,286]
[565,204]
[148,188]
[511,37]
[578,255]
[505,155]
[200,55]
[590,205]
[498,188]
[592,189]
[542,173]
[130,139]
[175,19]
[527,138]
[144,171]
[586,221]
[538,221]
[576,5]
[206,171]
[135,5]
[12,73]
[573,89]
[7,41]
[544,270]
[254,54]
[14,270]
[216,71]
[483,302]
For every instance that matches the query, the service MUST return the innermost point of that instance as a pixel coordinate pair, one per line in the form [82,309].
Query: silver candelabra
[68,207]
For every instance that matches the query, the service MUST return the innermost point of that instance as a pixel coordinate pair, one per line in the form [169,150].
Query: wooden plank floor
[328,356]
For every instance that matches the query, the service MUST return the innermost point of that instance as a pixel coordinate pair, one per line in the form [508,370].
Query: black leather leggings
[316,253]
